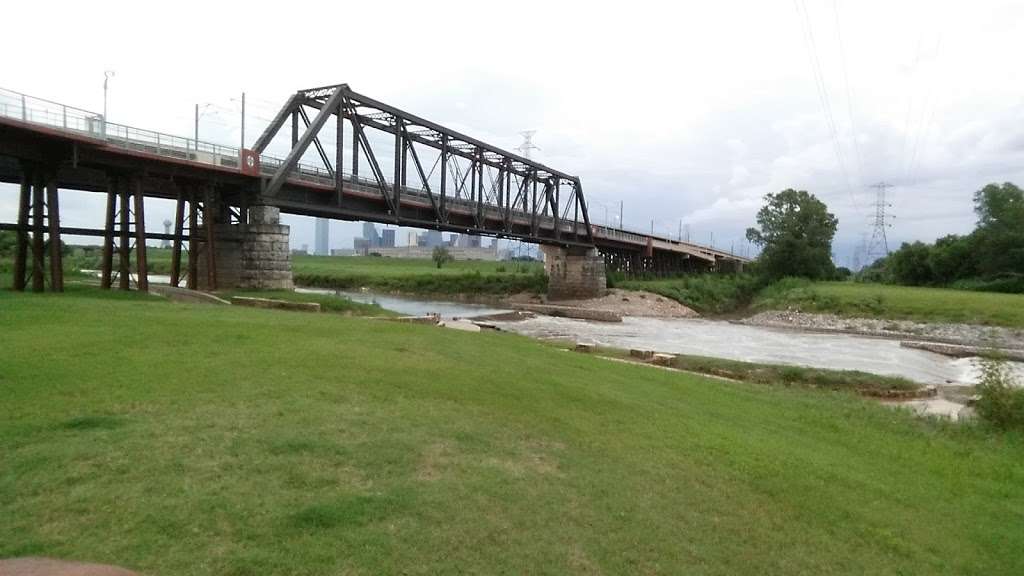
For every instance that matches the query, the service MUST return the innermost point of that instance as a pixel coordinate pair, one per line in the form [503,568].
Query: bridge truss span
[411,171]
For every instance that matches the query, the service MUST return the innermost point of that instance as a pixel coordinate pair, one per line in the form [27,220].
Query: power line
[812,52]
[849,91]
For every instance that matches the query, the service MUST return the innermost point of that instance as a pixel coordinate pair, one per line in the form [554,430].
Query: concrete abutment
[574,272]
[253,255]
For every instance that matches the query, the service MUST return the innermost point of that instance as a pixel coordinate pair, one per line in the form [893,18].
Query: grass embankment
[409,275]
[418,275]
[728,294]
[895,302]
[328,303]
[705,293]
[180,439]
[779,374]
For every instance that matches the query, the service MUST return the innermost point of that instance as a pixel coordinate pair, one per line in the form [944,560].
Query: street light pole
[107,75]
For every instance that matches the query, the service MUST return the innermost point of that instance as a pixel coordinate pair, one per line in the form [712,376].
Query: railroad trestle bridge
[372,162]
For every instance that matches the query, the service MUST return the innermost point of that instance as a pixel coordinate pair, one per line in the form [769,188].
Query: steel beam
[107,261]
[275,125]
[38,282]
[140,235]
[21,250]
[209,222]
[176,244]
[192,282]
[53,218]
[124,260]
[299,145]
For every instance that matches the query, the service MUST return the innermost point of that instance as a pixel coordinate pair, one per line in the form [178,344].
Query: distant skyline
[688,113]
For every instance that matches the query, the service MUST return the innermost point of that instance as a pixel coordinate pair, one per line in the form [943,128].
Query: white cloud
[683,111]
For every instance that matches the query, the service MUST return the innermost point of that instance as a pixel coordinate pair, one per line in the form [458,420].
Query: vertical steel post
[140,235]
[397,179]
[444,175]
[179,225]
[124,256]
[405,158]
[21,252]
[107,262]
[38,282]
[56,259]
[339,154]
[355,148]
[295,127]
[193,238]
[209,222]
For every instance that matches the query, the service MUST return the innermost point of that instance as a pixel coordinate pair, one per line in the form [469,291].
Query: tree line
[989,258]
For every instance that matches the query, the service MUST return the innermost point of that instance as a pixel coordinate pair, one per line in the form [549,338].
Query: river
[714,338]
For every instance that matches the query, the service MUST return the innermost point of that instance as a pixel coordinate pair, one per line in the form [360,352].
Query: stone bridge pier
[252,255]
[574,272]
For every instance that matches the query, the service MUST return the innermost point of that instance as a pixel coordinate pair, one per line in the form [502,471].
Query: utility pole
[680,230]
[879,245]
[242,147]
[621,223]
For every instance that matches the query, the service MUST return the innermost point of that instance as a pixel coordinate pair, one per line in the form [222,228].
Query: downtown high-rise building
[322,240]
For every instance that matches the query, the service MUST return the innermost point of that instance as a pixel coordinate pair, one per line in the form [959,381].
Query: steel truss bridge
[469,187]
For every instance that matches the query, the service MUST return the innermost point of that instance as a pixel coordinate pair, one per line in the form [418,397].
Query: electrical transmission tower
[527,144]
[879,245]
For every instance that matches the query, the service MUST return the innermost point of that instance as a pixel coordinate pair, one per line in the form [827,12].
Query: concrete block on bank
[432,318]
[271,303]
[460,325]
[663,359]
[585,348]
[642,354]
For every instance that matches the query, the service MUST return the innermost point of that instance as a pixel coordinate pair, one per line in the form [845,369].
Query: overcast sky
[685,111]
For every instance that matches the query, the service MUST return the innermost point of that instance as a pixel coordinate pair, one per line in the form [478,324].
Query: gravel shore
[962,334]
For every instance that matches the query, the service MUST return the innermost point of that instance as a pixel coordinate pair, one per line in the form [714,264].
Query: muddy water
[721,339]
[411,306]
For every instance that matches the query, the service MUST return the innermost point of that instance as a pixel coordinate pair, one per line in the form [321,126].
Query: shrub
[1000,402]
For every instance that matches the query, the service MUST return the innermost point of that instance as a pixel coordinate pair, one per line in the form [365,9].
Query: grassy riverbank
[409,275]
[194,439]
[725,294]
[327,302]
[895,302]
[419,276]
[778,374]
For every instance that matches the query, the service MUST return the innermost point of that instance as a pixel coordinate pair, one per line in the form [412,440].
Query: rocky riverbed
[961,334]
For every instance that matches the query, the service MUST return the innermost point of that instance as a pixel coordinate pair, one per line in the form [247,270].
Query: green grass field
[186,439]
[418,275]
[897,302]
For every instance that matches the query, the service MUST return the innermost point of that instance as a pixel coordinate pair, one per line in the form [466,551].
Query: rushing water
[721,339]
[411,306]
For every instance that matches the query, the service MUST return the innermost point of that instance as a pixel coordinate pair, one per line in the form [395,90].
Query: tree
[910,264]
[8,241]
[795,235]
[441,256]
[952,259]
[999,237]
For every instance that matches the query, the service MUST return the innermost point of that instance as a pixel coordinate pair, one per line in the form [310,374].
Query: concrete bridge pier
[251,254]
[574,272]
